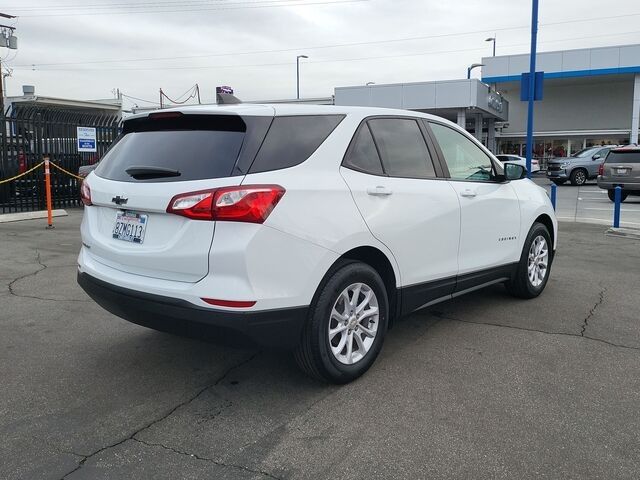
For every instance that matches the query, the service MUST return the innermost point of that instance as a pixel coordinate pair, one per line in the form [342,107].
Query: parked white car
[518,160]
[312,228]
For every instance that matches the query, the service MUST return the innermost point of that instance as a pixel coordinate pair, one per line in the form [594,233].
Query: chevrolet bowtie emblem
[118,200]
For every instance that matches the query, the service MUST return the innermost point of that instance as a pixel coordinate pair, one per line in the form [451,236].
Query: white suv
[306,227]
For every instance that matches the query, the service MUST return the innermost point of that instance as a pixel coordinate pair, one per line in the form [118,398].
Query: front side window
[402,147]
[363,155]
[464,159]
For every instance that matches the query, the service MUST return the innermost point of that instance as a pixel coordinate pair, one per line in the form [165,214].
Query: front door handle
[379,191]
[467,192]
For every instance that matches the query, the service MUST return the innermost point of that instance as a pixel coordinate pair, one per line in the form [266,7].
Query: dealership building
[590,97]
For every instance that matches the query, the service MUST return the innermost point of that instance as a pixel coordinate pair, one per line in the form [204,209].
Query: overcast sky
[451,35]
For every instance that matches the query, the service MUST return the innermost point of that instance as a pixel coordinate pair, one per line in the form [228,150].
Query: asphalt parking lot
[485,386]
[590,204]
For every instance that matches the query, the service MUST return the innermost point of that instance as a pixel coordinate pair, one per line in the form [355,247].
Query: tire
[521,285]
[315,354]
[612,195]
[559,182]
[578,177]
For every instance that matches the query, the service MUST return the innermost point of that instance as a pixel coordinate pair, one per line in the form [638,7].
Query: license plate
[622,170]
[130,226]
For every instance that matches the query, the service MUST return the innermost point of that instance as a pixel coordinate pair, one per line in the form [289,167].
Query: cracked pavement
[485,386]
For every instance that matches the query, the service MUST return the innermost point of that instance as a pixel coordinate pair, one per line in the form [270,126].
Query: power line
[182,10]
[319,47]
[352,59]
[139,99]
[155,4]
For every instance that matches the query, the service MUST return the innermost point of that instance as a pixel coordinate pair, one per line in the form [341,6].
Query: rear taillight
[245,203]
[601,169]
[85,193]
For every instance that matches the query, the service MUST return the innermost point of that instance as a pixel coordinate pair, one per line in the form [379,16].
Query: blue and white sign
[87,139]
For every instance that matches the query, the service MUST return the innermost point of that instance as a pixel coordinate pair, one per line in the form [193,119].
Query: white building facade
[590,97]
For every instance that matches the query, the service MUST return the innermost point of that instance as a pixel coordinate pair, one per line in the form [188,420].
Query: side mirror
[513,171]
[596,156]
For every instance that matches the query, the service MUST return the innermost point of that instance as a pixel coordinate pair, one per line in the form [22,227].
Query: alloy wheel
[354,323]
[538,262]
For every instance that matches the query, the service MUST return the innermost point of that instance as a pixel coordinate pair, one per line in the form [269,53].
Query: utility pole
[298,75]
[9,40]
[532,78]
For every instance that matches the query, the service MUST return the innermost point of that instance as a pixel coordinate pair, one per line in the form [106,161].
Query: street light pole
[532,76]
[471,67]
[298,75]
[492,39]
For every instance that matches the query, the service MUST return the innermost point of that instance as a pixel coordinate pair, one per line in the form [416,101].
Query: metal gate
[33,131]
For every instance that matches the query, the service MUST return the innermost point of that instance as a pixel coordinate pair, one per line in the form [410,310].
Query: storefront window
[595,142]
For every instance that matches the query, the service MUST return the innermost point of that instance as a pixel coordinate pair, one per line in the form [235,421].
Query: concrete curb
[16,217]
[624,232]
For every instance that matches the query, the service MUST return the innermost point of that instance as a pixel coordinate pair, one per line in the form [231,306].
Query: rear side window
[196,147]
[630,156]
[363,155]
[291,140]
[402,148]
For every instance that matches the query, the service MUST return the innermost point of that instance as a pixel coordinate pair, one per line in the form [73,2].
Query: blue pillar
[554,190]
[532,74]
[616,207]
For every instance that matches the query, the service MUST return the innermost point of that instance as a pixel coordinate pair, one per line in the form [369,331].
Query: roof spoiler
[226,99]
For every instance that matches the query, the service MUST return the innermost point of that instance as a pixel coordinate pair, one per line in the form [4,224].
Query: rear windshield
[170,147]
[623,157]
[193,147]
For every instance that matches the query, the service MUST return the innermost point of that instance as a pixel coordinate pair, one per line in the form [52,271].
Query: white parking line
[600,221]
[611,209]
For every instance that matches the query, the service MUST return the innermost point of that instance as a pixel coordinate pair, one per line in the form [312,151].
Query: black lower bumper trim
[279,328]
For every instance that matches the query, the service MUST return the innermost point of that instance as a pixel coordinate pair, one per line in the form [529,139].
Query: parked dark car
[621,168]
[579,167]
[85,170]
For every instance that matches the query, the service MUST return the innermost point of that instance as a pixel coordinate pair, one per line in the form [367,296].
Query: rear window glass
[623,157]
[195,147]
[293,139]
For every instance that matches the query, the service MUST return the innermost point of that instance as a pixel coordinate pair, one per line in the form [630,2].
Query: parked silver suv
[579,167]
[621,168]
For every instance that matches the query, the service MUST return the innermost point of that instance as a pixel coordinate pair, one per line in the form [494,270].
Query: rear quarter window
[623,157]
[293,139]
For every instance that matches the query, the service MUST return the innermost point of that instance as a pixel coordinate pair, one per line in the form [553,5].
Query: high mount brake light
[85,193]
[160,115]
[243,203]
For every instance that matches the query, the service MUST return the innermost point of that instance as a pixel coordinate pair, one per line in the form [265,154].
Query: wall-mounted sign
[494,101]
[87,139]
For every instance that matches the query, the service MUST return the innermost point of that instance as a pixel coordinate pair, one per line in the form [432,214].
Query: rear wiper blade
[140,172]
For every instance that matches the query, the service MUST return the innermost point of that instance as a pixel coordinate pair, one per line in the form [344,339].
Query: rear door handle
[467,192]
[379,191]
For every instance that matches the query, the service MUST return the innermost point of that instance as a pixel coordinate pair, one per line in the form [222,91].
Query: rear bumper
[609,184]
[279,328]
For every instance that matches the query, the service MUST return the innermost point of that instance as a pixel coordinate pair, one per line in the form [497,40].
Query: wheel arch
[377,259]
[547,222]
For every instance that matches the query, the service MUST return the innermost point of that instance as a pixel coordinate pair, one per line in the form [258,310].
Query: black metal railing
[36,131]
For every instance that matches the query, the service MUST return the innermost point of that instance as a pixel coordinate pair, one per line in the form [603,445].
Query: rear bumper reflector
[229,303]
